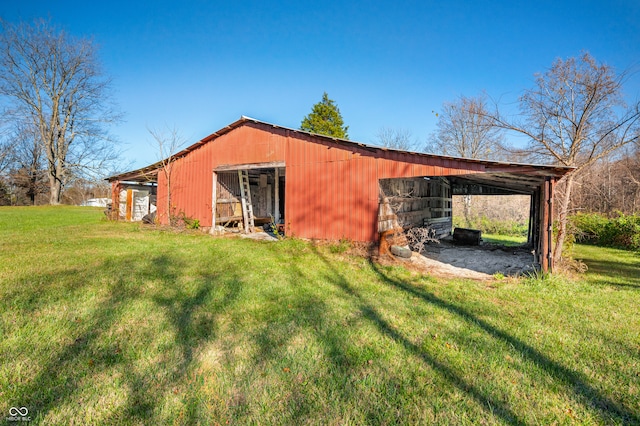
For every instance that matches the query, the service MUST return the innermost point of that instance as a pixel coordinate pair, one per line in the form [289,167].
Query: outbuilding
[320,187]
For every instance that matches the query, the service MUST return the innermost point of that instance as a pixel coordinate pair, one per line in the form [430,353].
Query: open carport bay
[475,262]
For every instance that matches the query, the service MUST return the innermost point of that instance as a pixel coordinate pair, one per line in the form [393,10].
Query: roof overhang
[515,179]
[494,184]
[145,174]
[514,176]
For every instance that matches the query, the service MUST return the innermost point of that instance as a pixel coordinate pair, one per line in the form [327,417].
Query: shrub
[182,221]
[492,226]
[588,227]
[623,231]
[620,231]
[192,223]
[340,247]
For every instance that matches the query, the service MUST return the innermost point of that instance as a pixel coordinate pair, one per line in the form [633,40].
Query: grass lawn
[104,323]
[506,240]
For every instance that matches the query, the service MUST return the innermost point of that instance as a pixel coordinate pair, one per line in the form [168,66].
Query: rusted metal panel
[341,218]
[346,195]
[323,185]
[294,184]
[372,200]
[404,165]
[355,180]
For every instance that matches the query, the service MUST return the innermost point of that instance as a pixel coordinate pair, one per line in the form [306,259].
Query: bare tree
[53,83]
[5,156]
[80,190]
[167,142]
[5,161]
[464,130]
[631,176]
[609,185]
[575,116]
[395,138]
[27,158]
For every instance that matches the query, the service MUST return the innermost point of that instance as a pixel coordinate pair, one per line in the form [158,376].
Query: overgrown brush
[620,231]
[418,237]
[492,226]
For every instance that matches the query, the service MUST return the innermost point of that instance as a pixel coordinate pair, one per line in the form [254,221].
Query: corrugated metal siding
[331,189]
[192,175]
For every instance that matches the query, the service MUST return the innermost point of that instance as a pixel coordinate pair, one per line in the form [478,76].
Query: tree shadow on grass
[193,316]
[491,406]
[299,312]
[608,409]
[336,374]
[180,307]
[57,379]
[626,272]
[91,354]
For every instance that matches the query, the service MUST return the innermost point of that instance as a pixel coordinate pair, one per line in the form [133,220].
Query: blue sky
[199,65]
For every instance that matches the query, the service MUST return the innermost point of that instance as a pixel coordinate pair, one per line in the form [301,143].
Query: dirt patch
[479,262]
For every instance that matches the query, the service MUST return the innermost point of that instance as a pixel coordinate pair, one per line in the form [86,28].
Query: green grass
[610,267]
[507,240]
[105,323]
[490,225]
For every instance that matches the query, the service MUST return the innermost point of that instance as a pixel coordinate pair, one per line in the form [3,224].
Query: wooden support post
[530,228]
[546,227]
[535,225]
[276,209]
[129,205]
[550,183]
[115,200]
[214,201]
[269,192]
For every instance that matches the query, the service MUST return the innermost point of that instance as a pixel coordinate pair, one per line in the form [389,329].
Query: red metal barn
[326,188]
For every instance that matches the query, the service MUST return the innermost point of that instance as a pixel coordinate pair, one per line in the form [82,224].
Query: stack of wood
[416,202]
[440,225]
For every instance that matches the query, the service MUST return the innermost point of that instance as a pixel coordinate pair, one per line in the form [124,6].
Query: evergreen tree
[325,119]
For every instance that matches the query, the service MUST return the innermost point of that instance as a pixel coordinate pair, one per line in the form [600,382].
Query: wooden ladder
[245,197]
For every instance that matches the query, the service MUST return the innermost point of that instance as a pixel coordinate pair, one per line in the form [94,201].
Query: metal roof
[149,172]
